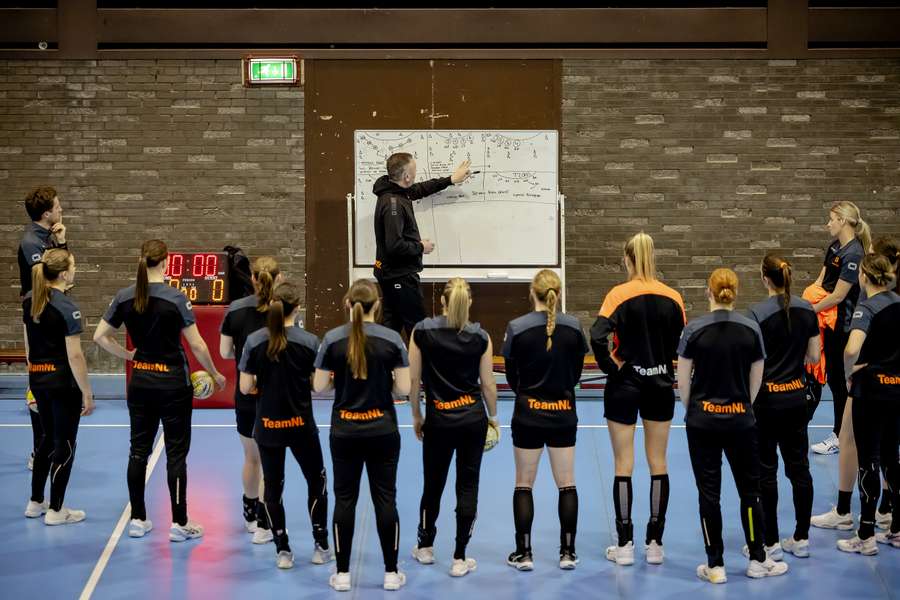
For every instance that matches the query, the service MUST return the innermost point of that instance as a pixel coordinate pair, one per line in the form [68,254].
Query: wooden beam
[77,28]
[829,26]
[787,28]
[27,26]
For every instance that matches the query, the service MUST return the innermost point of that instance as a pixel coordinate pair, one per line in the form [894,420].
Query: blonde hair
[265,270]
[878,270]
[850,213]
[723,284]
[639,250]
[547,288]
[456,296]
[361,297]
[53,263]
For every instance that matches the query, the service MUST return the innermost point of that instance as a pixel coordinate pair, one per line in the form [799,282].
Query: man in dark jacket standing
[399,247]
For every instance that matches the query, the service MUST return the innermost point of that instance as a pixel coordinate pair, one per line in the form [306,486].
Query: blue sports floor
[43,562]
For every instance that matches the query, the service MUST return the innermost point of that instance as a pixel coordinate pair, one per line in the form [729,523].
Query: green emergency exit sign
[278,70]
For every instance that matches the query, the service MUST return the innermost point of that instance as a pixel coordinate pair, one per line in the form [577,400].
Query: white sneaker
[799,548]
[340,582]
[867,547]
[461,567]
[250,526]
[322,555]
[712,574]
[892,539]
[394,580]
[769,568]
[774,551]
[521,562]
[188,531]
[29,463]
[832,520]
[654,553]
[621,555]
[33,509]
[883,520]
[262,536]
[285,560]
[138,528]
[829,445]
[567,560]
[63,516]
[423,555]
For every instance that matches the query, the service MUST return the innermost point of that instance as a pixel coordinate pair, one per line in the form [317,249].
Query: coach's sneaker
[63,516]
[321,555]
[769,568]
[394,580]
[621,555]
[424,555]
[262,536]
[866,547]
[829,445]
[33,509]
[285,560]
[774,551]
[712,574]
[340,582]
[29,464]
[188,531]
[138,528]
[653,553]
[799,548]
[883,520]
[567,560]
[521,562]
[833,520]
[250,526]
[892,539]
[462,566]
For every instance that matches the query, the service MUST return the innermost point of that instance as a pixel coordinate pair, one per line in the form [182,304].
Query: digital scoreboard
[202,276]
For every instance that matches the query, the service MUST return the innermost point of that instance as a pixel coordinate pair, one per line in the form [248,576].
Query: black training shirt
[48,360]
[842,264]
[240,321]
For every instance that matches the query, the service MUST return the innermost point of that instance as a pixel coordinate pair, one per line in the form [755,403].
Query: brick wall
[136,149]
[721,162]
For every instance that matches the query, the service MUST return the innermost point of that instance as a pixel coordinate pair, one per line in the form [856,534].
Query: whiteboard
[505,216]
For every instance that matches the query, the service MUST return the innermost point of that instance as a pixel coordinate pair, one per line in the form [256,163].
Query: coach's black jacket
[398,245]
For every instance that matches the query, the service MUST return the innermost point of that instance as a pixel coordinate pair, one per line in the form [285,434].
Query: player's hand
[461,173]
[59,232]
[417,424]
[131,354]
[87,403]
[220,380]
[427,246]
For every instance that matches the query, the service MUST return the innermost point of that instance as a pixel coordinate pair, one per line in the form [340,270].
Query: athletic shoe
[833,520]
[567,560]
[394,580]
[892,539]
[829,445]
[63,516]
[29,464]
[262,536]
[799,548]
[340,582]
[250,526]
[423,555]
[285,560]
[769,568]
[188,531]
[321,555]
[33,509]
[522,562]
[138,528]
[462,566]
[883,520]
[712,574]
[654,553]
[621,555]
[867,547]
[774,551]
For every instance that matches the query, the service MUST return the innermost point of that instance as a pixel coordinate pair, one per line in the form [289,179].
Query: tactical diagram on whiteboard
[507,214]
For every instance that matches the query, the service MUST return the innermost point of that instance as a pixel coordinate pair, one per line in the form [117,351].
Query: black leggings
[785,430]
[740,447]
[308,453]
[834,342]
[402,303]
[380,455]
[146,408]
[876,427]
[60,413]
[438,446]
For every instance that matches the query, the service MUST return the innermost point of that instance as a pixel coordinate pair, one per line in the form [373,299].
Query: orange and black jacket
[645,319]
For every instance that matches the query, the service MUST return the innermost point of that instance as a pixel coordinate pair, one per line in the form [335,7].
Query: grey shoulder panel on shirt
[245,302]
[300,336]
[526,322]
[69,311]
[260,336]
[124,295]
[432,323]
[476,328]
[567,320]
[736,317]
[879,302]
[335,335]
[765,309]
[380,331]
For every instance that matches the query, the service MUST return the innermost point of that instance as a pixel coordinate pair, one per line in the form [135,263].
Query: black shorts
[245,419]
[623,400]
[534,438]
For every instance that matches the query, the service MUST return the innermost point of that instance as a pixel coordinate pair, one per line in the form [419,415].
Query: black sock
[568,518]
[262,519]
[622,499]
[523,514]
[659,503]
[843,505]
[249,508]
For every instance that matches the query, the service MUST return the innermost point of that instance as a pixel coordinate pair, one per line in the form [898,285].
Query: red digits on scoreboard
[176,265]
[212,263]
[197,265]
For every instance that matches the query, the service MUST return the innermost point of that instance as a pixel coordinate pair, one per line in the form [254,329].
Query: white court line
[94,579]
[224,426]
